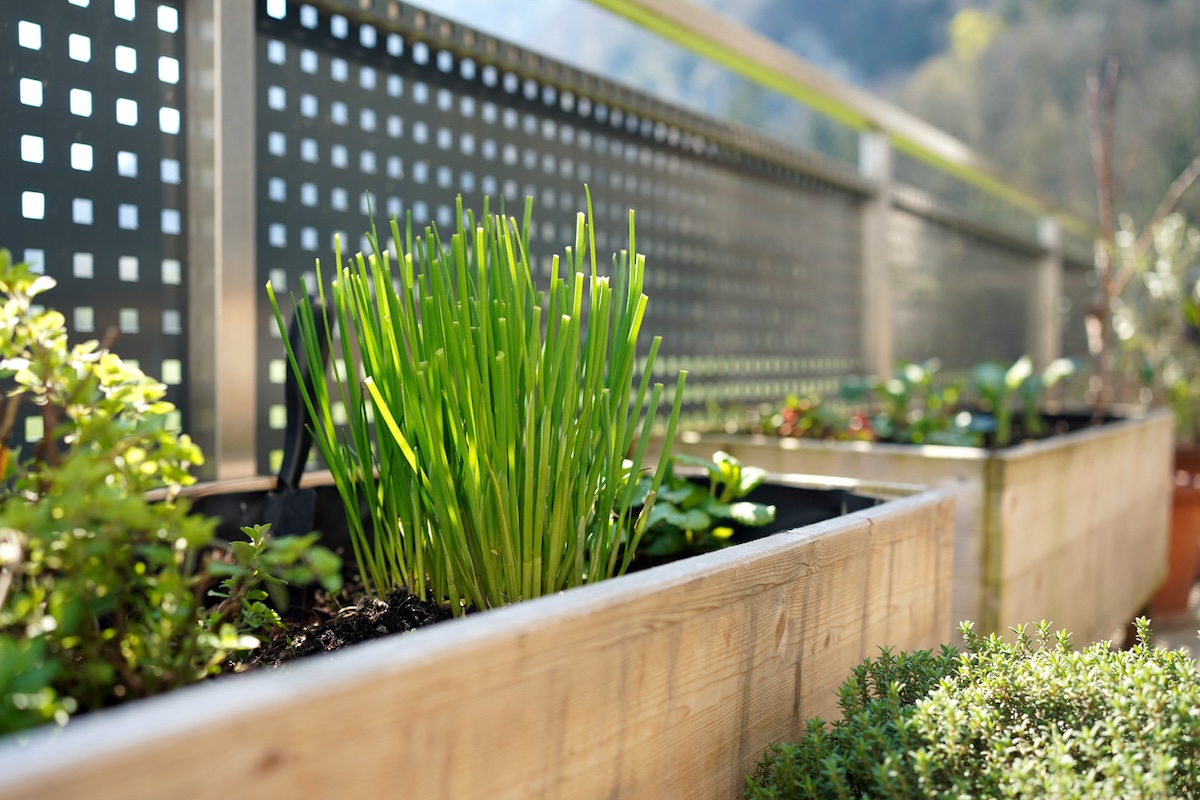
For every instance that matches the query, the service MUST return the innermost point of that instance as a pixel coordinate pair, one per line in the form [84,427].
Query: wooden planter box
[664,683]
[1072,529]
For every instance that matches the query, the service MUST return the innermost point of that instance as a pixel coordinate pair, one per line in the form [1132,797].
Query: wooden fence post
[1045,329]
[876,163]
[223,281]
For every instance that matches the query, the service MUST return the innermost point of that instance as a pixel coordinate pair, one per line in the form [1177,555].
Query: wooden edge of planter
[316,478]
[255,483]
[790,443]
[881,490]
[1128,417]
[264,732]
[1024,450]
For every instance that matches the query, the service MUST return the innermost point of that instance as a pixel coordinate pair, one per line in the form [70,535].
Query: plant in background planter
[912,409]
[1031,718]
[102,593]
[1002,390]
[1022,509]
[1155,320]
[915,410]
[497,471]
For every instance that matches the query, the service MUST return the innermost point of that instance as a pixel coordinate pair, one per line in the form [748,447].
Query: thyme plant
[1026,718]
[495,470]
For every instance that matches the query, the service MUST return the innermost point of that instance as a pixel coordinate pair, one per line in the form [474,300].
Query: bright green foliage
[496,471]
[916,411]
[911,408]
[272,562]
[101,591]
[1157,319]
[96,598]
[997,386]
[686,518]
[1030,718]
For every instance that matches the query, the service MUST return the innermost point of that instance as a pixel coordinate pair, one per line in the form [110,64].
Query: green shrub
[497,469]
[103,593]
[1030,718]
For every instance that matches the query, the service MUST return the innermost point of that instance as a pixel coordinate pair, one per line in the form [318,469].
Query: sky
[547,26]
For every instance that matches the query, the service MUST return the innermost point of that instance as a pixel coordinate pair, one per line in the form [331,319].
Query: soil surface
[335,628]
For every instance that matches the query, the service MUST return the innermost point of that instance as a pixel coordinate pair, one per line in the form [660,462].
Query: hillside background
[1006,76]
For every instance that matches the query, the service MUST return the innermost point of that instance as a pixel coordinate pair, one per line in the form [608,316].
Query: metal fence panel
[755,249]
[958,298]
[753,268]
[94,157]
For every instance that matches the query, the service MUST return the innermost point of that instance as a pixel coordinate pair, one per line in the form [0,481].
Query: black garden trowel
[288,508]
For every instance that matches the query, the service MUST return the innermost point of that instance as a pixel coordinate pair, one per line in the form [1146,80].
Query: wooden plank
[665,683]
[962,471]
[1073,529]
[1079,530]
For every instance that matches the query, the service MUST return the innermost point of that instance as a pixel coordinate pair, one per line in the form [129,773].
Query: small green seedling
[259,570]
[689,518]
[996,386]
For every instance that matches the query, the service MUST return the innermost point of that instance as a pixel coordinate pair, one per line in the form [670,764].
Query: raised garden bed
[1073,529]
[667,682]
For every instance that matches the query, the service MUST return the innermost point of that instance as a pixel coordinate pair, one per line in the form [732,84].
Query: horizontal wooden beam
[767,64]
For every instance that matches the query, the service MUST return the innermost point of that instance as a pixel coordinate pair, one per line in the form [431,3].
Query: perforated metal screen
[93,149]
[957,297]
[754,248]
[753,268]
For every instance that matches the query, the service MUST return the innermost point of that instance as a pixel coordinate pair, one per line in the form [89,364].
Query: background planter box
[664,683]
[1073,529]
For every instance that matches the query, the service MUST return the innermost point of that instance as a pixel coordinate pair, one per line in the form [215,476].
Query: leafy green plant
[271,563]
[915,410]
[811,418]
[101,590]
[912,408]
[687,517]
[996,385]
[1032,394]
[1026,718]
[98,601]
[1157,316]
[496,470]
[1001,388]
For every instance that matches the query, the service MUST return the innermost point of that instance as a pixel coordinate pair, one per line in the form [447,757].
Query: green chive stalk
[489,422]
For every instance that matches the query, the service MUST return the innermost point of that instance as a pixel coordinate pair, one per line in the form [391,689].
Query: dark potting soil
[369,618]
[321,623]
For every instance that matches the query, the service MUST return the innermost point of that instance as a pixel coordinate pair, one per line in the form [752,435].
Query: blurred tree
[1022,99]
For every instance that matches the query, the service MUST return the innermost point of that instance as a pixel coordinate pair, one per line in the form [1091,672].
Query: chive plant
[488,427]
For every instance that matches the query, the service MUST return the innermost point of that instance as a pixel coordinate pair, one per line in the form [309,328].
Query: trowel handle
[298,432]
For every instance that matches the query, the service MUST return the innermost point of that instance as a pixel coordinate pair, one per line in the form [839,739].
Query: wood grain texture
[1078,533]
[665,683]
[1072,529]
[961,471]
